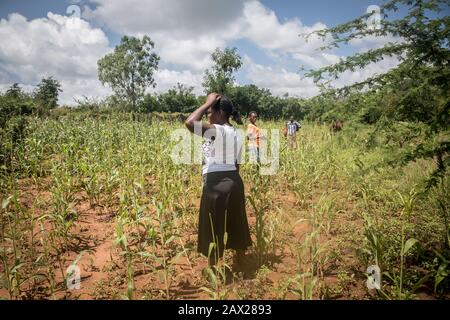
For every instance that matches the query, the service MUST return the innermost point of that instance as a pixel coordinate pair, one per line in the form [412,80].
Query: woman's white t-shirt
[222,150]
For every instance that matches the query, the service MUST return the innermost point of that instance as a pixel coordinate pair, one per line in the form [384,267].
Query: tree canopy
[220,78]
[129,69]
[416,90]
[46,94]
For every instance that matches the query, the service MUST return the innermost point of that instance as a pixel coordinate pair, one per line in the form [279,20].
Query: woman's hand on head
[197,115]
[213,98]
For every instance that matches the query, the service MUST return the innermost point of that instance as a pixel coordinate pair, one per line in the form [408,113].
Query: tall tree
[129,69]
[46,94]
[421,81]
[220,78]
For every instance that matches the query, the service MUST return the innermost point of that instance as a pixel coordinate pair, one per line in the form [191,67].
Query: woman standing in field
[223,221]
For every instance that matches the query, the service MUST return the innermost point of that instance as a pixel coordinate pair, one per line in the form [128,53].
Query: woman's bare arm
[197,115]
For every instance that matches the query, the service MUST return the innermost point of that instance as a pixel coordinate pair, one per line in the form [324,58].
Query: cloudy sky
[65,39]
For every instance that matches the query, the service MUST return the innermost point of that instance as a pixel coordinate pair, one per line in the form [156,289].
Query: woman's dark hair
[228,107]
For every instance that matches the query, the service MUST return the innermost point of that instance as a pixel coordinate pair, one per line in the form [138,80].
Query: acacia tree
[220,78]
[420,82]
[129,69]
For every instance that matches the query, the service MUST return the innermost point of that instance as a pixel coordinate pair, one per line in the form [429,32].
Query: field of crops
[105,195]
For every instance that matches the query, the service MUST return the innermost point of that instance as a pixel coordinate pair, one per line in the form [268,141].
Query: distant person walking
[253,137]
[336,126]
[222,205]
[292,126]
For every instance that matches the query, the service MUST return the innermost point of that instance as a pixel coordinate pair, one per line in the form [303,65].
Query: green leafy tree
[251,98]
[294,107]
[14,92]
[248,98]
[14,102]
[417,89]
[129,69]
[46,95]
[178,99]
[15,105]
[150,103]
[220,78]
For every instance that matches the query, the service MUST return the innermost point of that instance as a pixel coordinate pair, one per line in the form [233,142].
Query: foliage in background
[129,69]
[415,91]
[220,78]
[46,95]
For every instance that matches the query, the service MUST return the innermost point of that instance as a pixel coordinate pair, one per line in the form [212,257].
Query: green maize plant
[258,199]
[12,275]
[104,180]
[217,274]
[326,212]
[122,242]
[375,242]
[167,237]
[304,283]
[46,259]
[399,291]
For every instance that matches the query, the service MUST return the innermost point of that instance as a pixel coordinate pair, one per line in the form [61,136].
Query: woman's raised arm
[197,115]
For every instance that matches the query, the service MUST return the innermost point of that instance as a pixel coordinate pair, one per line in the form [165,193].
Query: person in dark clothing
[223,220]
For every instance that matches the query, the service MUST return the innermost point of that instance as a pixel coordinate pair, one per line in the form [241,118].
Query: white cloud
[75,89]
[187,32]
[184,32]
[183,18]
[372,69]
[284,40]
[193,54]
[278,80]
[167,79]
[318,60]
[373,42]
[263,28]
[63,47]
